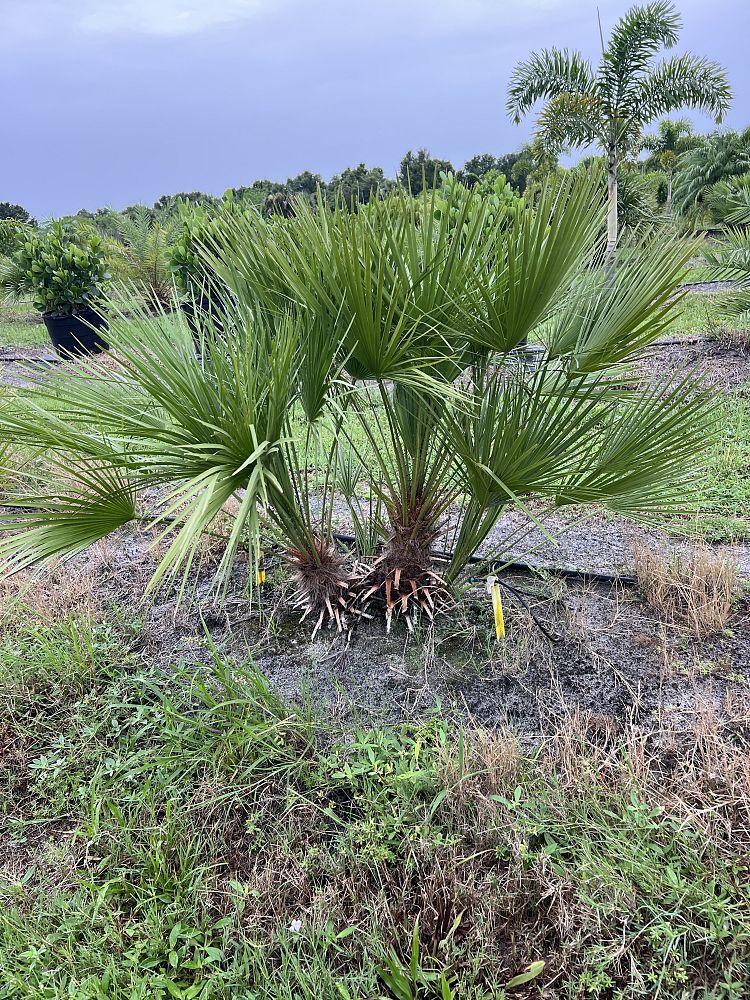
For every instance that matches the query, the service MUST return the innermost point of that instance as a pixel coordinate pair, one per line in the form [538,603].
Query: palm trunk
[612,196]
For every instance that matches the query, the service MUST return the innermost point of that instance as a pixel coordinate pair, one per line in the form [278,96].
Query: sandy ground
[606,652]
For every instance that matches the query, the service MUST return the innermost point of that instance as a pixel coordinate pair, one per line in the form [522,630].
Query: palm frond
[158,415]
[535,260]
[571,120]
[90,501]
[729,200]
[729,260]
[609,317]
[576,439]
[141,255]
[636,38]
[684,81]
[722,156]
[545,75]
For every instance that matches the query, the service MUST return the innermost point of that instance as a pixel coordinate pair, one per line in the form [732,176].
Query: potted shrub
[65,273]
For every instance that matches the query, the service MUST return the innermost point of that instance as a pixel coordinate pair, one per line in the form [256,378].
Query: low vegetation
[723,499]
[410,324]
[185,834]
[696,589]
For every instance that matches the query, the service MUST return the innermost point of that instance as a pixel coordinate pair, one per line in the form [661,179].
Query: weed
[733,338]
[695,590]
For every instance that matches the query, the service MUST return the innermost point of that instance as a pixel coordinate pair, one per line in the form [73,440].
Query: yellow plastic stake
[261,574]
[497,607]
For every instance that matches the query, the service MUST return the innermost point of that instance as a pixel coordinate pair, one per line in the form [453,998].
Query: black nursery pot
[72,336]
[202,305]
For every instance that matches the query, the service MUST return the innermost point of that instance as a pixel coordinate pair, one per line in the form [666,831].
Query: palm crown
[141,255]
[724,155]
[667,145]
[610,106]
[671,136]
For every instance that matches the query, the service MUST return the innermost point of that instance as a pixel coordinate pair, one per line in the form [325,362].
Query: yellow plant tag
[493,588]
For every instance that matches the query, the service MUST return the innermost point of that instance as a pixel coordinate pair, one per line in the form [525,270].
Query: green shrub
[496,198]
[185,263]
[12,233]
[65,271]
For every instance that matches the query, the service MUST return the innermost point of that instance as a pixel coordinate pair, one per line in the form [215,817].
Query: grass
[701,313]
[696,590]
[699,273]
[18,331]
[724,488]
[177,831]
[19,326]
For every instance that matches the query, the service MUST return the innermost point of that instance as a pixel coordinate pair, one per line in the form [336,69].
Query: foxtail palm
[611,105]
[671,139]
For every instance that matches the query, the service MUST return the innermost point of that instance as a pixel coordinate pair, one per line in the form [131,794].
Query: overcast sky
[109,102]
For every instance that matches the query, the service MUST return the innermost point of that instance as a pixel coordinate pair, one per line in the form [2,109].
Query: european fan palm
[379,346]
[610,106]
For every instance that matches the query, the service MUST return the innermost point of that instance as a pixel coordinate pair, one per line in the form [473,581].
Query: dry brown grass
[695,591]
[66,590]
[733,339]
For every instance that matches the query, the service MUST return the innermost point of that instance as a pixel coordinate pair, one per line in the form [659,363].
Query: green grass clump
[180,832]
[15,333]
[18,329]
[703,313]
[724,498]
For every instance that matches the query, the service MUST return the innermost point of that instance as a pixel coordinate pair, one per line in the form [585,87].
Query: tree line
[352,185]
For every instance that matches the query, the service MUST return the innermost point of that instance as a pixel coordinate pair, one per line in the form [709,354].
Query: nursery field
[200,801]
[374,550]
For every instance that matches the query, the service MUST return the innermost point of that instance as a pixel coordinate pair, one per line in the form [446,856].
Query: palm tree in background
[722,156]
[671,139]
[729,202]
[610,106]
[140,256]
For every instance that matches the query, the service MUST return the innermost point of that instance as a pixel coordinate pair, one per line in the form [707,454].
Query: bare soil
[607,654]
[723,362]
